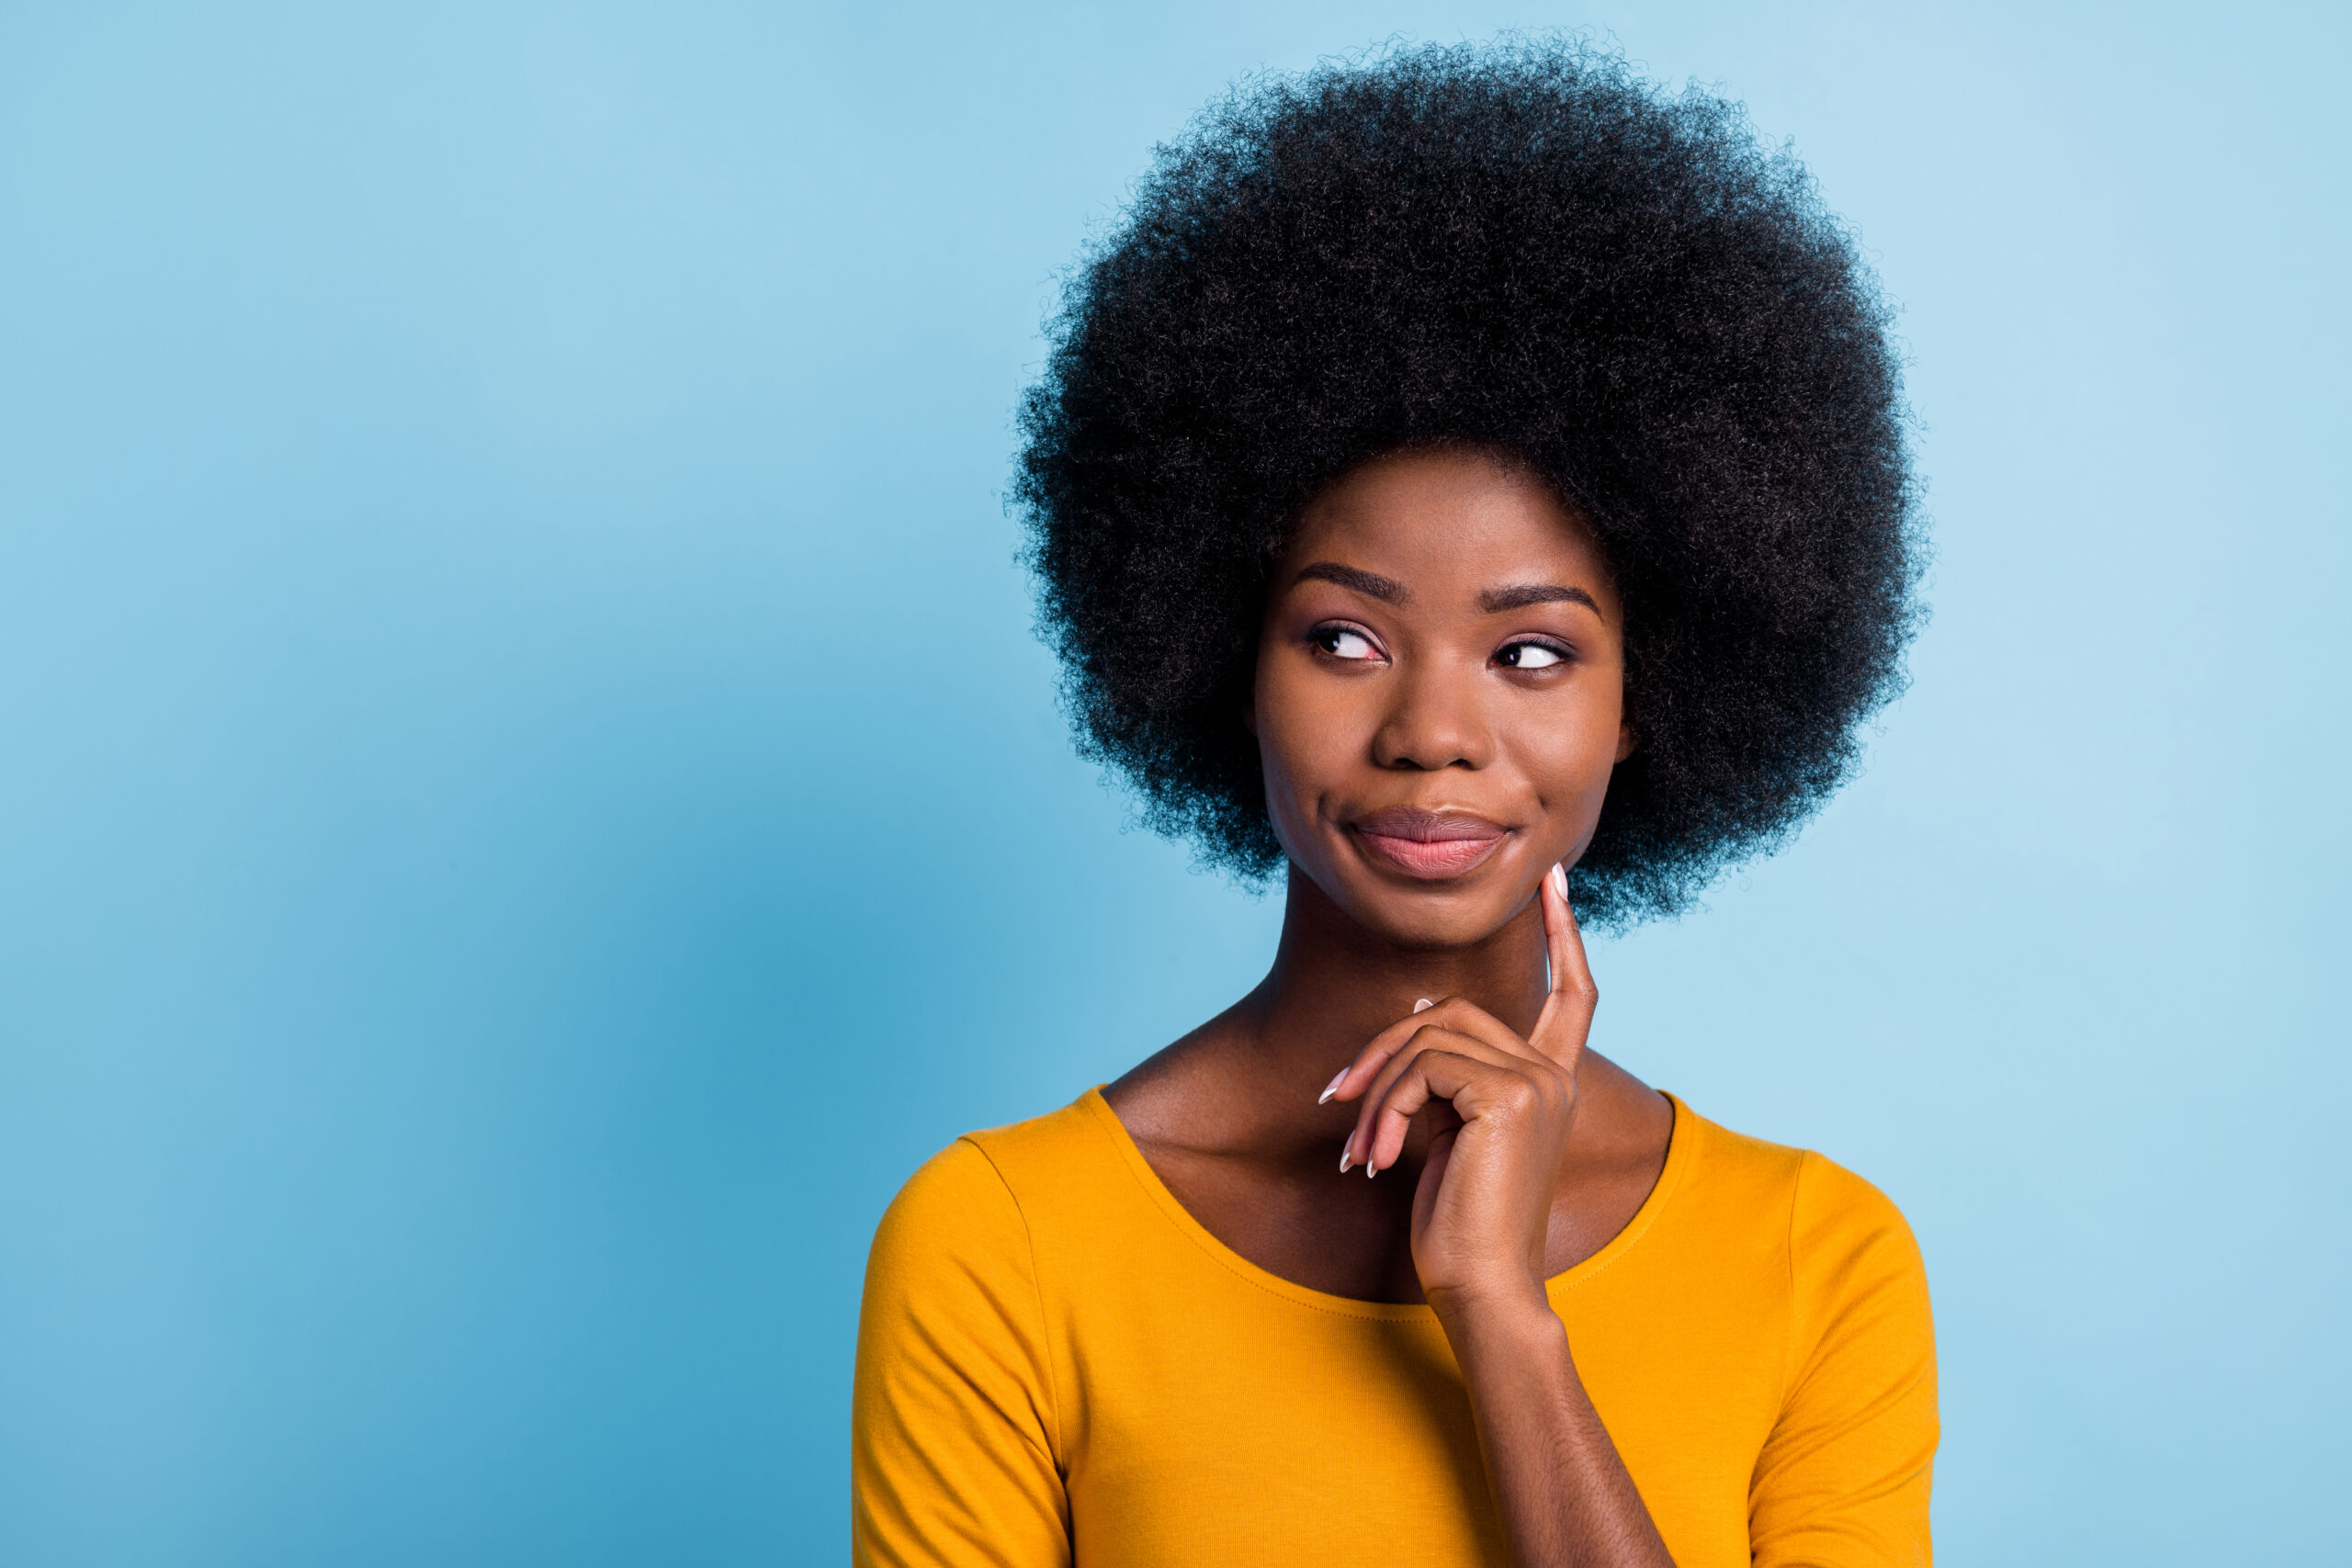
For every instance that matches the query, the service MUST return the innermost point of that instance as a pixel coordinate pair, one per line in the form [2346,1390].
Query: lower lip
[1428,859]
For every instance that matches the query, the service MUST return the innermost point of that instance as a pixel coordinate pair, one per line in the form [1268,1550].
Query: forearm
[1561,1490]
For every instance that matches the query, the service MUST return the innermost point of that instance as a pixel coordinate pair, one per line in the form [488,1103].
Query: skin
[1440,1012]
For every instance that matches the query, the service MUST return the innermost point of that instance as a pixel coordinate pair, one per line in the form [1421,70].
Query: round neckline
[1680,1150]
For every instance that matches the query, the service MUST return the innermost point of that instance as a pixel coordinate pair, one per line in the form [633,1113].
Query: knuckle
[1440,1040]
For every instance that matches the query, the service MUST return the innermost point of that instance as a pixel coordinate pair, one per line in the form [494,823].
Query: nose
[1435,720]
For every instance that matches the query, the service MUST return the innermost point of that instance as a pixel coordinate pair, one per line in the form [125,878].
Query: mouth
[1428,845]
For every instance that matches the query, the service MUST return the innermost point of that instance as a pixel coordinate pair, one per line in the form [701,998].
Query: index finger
[1566,1019]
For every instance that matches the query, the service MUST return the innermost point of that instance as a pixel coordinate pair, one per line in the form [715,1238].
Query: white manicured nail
[1343,1156]
[1560,880]
[1331,1089]
[1423,1004]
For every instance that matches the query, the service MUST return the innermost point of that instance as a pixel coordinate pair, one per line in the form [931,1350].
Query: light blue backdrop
[528,804]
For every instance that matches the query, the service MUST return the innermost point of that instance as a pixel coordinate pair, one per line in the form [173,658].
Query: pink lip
[1431,845]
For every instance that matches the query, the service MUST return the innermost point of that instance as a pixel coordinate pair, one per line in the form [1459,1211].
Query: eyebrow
[1385,589]
[1521,595]
[1494,601]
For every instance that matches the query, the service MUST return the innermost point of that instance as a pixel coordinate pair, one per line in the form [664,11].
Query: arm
[1844,1476]
[1560,1490]
[953,1429]
[1480,1219]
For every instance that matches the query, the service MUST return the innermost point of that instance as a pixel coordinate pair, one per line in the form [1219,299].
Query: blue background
[528,802]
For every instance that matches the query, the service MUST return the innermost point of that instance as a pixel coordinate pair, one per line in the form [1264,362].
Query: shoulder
[956,1193]
[1856,1283]
[1820,1203]
[1834,1215]
[979,1193]
[954,1424]
[1860,1285]
[1844,1473]
[1075,1143]
[1832,1239]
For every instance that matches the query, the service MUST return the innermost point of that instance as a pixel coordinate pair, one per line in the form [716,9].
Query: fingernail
[1332,1087]
[1560,880]
[1423,1004]
[1343,1156]
[1370,1170]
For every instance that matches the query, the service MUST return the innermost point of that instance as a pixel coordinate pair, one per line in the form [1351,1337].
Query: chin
[1435,919]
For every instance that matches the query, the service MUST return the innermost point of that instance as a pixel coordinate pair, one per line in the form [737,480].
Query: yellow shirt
[1056,1362]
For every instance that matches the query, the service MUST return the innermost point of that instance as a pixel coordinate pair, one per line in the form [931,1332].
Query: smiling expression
[1440,694]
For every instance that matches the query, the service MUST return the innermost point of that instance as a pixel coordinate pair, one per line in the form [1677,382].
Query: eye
[1530,655]
[1343,642]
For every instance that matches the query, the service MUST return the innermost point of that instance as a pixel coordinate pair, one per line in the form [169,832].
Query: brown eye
[1529,655]
[1344,642]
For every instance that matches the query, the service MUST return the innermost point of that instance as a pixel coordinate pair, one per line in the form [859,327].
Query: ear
[1626,740]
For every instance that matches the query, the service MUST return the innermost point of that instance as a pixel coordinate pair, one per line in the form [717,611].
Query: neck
[1334,984]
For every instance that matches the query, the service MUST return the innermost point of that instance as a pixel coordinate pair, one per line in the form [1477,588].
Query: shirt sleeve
[953,1427]
[1842,1480]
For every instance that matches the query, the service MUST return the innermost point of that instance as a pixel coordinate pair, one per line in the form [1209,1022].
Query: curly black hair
[1519,246]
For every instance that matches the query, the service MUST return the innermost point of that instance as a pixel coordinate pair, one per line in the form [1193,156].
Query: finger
[1372,1116]
[1378,1063]
[1358,1075]
[1373,1072]
[1432,1181]
[1467,1016]
[1566,1019]
[1468,1083]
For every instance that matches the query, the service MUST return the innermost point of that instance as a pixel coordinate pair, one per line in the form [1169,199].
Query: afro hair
[1526,248]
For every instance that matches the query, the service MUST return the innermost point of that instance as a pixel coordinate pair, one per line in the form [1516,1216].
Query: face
[1439,696]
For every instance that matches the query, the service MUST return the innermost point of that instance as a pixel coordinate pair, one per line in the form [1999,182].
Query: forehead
[1439,517]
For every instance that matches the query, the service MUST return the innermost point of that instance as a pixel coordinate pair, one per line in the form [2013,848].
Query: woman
[1466,482]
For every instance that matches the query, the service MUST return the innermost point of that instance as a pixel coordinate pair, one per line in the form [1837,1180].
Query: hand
[1482,1212]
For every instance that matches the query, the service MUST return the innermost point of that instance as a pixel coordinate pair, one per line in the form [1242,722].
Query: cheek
[1306,731]
[1571,762]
